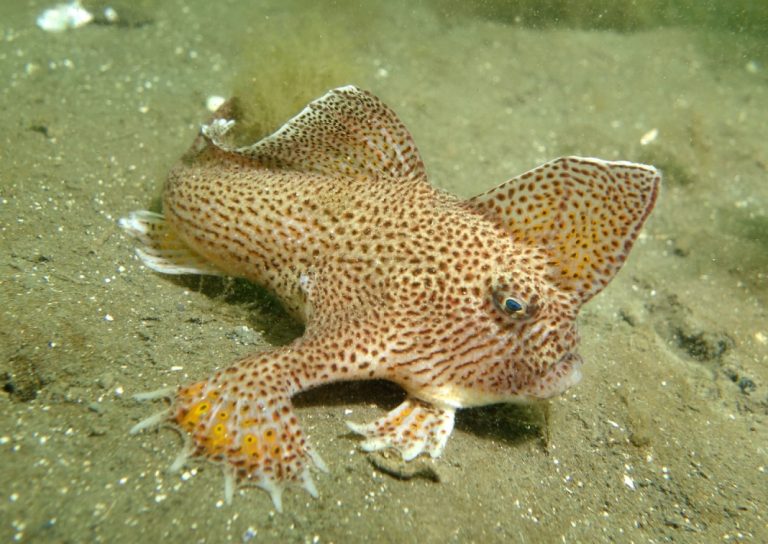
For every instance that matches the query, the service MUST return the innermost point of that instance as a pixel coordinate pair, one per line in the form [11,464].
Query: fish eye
[512,306]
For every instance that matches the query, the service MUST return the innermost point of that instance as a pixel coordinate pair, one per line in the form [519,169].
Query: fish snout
[560,376]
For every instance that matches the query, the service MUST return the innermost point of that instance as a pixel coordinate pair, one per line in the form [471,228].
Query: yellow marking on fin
[192,417]
[251,446]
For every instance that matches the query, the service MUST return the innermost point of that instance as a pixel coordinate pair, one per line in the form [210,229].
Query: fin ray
[162,250]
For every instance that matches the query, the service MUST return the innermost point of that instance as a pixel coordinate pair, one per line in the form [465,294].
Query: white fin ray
[275,491]
[229,483]
[182,457]
[162,393]
[155,420]
[317,460]
[163,251]
[308,483]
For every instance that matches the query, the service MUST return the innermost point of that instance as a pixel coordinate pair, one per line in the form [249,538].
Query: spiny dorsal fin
[347,131]
[585,213]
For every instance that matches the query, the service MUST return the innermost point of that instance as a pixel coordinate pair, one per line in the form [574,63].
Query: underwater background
[666,437]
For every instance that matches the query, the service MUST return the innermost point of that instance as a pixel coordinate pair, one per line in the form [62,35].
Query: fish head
[537,334]
[569,225]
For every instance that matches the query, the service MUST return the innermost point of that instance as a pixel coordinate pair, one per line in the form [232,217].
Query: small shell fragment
[64,16]
[213,102]
[649,136]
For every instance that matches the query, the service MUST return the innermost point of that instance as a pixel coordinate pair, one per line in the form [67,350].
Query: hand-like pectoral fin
[414,427]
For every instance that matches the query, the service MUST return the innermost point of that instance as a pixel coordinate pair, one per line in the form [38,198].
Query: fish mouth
[562,375]
[572,376]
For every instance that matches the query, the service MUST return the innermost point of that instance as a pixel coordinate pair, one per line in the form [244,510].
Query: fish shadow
[263,311]
[510,424]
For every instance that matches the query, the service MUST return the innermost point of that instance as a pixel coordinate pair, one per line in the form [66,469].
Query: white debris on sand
[64,16]
[213,102]
[649,136]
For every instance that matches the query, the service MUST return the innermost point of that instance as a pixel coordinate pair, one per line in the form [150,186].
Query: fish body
[460,302]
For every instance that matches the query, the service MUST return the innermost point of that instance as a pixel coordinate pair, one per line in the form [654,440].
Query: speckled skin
[462,303]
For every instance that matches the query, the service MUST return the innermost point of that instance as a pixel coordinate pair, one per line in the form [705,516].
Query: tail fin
[162,249]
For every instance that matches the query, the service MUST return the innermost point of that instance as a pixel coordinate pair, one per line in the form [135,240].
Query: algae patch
[285,62]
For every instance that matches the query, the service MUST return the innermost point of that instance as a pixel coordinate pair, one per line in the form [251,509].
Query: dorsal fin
[584,213]
[347,131]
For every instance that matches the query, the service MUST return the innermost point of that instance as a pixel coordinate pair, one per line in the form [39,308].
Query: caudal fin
[162,250]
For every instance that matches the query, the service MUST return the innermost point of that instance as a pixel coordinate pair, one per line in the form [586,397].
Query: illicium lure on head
[461,302]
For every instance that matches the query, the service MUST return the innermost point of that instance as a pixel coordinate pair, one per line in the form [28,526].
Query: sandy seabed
[666,437]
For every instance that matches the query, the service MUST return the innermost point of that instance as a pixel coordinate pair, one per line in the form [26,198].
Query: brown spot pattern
[462,303]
